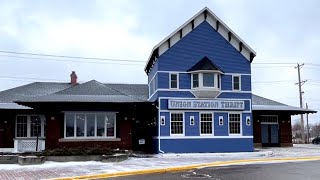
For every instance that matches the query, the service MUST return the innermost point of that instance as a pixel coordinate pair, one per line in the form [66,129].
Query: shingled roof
[205,64]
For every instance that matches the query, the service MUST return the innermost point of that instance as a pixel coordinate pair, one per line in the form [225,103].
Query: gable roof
[205,64]
[204,15]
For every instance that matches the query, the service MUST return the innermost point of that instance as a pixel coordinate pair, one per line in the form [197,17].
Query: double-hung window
[206,80]
[90,125]
[195,80]
[236,83]
[174,81]
[30,126]
[205,123]
[235,124]
[177,123]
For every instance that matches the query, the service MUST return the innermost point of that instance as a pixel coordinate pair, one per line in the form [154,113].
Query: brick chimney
[74,78]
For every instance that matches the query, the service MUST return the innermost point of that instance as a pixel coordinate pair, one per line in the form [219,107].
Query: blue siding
[246,130]
[153,71]
[154,97]
[184,81]
[221,130]
[192,130]
[163,80]
[226,82]
[203,41]
[165,130]
[245,83]
[235,95]
[185,94]
[206,145]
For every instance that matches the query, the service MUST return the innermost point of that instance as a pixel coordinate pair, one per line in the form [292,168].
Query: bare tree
[315,130]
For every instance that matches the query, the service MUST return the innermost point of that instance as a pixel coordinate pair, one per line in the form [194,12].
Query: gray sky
[280,32]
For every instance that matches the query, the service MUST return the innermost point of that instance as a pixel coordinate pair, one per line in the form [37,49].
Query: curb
[189,167]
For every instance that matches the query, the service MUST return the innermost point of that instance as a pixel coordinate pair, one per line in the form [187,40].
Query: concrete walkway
[166,161]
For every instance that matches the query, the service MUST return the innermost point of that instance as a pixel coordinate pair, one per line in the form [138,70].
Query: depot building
[198,98]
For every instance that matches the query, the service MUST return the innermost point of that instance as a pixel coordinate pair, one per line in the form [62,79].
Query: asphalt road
[309,170]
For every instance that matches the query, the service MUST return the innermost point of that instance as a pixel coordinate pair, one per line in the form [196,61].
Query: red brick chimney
[73,78]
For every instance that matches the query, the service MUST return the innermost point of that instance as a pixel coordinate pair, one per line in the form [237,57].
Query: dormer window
[206,80]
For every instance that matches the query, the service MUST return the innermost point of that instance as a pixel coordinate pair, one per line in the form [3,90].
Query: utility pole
[300,83]
[307,125]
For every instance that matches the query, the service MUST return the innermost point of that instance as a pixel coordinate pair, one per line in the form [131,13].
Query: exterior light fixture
[192,120]
[220,120]
[163,120]
[248,121]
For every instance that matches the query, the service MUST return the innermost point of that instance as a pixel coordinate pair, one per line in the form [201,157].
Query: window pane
[35,126]
[234,124]
[206,123]
[90,125]
[176,123]
[195,80]
[110,119]
[101,124]
[174,81]
[236,82]
[80,125]
[22,126]
[208,79]
[219,80]
[69,125]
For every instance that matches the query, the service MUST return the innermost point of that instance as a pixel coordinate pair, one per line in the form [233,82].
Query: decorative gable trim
[204,15]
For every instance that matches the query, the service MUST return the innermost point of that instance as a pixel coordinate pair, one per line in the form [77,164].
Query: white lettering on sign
[205,104]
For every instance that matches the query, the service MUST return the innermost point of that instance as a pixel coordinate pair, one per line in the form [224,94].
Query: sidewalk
[69,169]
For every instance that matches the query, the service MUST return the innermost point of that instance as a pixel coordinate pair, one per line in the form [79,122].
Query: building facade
[200,77]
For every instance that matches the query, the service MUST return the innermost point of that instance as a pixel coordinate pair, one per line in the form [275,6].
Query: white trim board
[204,137]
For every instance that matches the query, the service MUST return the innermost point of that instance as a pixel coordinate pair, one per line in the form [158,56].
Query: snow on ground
[163,161]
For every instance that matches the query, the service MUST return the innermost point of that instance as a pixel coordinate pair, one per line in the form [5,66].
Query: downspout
[159,129]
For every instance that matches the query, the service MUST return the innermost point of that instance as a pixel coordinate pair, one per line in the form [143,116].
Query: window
[236,83]
[195,80]
[90,125]
[28,126]
[177,123]
[234,124]
[270,119]
[174,81]
[206,123]
[208,80]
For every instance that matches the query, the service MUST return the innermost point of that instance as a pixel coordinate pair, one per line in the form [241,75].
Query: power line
[70,57]
[64,60]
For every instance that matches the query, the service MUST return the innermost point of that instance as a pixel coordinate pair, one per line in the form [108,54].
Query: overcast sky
[280,32]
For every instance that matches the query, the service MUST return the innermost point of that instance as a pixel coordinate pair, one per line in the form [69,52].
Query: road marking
[190,167]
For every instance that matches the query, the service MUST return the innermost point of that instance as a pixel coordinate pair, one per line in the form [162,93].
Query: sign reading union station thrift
[205,104]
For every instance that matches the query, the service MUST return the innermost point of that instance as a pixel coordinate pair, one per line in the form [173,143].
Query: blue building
[200,78]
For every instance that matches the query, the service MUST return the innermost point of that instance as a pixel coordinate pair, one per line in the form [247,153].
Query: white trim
[177,74]
[236,90]
[242,74]
[212,121]
[153,76]
[214,18]
[234,112]
[205,88]
[204,137]
[183,123]
[41,123]
[185,72]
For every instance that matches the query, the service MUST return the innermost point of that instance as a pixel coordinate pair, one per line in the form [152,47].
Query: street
[292,171]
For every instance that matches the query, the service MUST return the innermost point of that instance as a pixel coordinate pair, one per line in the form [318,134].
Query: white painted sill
[88,139]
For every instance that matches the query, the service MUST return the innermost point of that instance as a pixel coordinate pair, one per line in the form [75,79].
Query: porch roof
[263,104]
[12,106]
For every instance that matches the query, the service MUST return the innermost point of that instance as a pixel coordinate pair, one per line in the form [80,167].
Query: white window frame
[85,126]
[200,81]
[183,124]
[240,134]
[212,121]
[177,74]
[42,123]
[192,121]
[233,76]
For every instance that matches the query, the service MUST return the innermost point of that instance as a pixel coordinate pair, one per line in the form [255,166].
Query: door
[270,134]
[2,135]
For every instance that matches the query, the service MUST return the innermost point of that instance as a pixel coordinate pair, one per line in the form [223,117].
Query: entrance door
[270,134]
[3,137]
